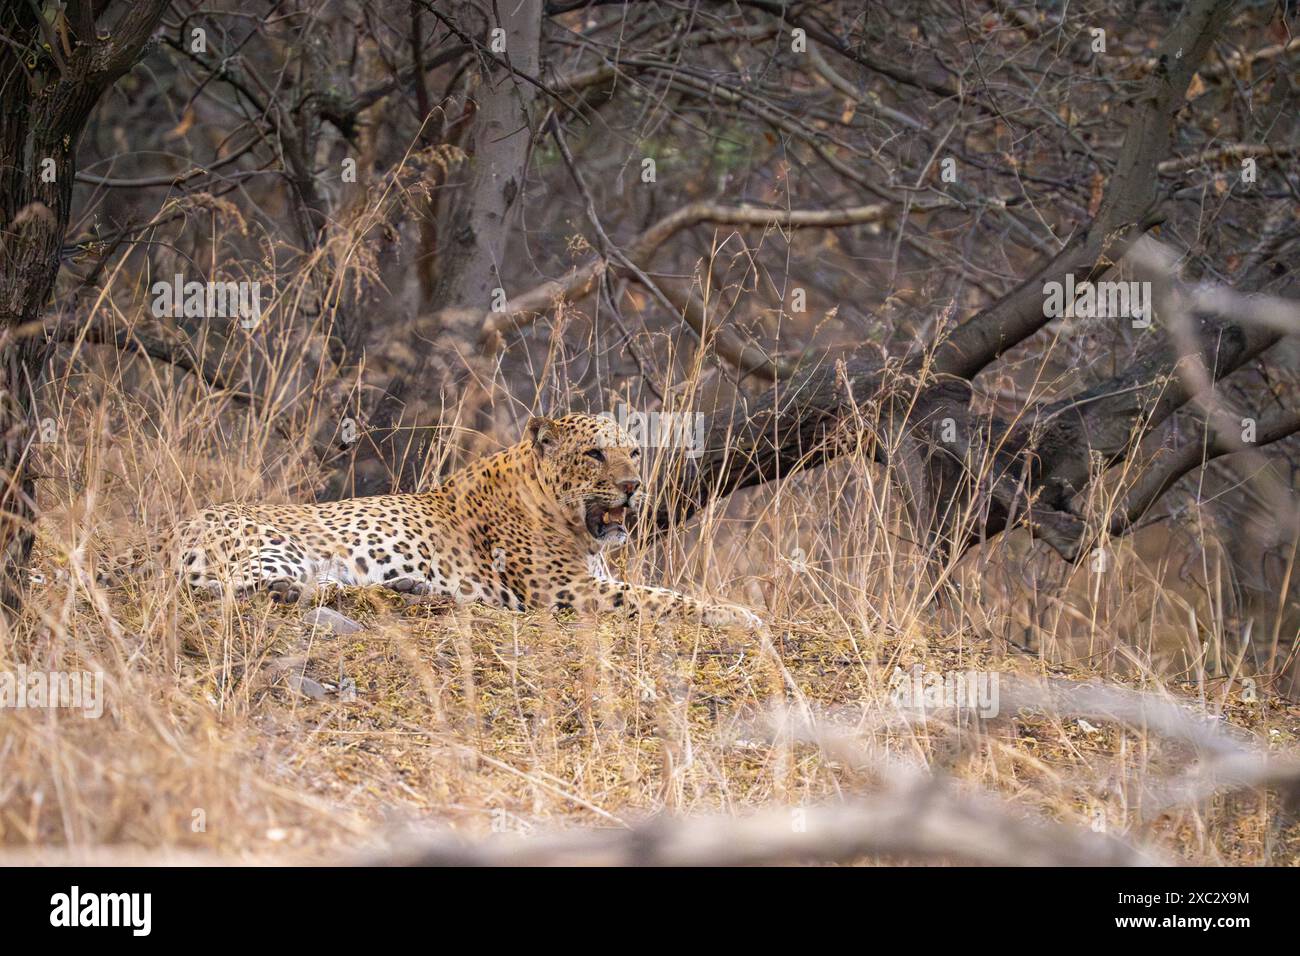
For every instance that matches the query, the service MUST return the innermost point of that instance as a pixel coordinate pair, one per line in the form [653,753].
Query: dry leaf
[183,127]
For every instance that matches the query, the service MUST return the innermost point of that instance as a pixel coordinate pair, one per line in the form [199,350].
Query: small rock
[328,619]
[306,686]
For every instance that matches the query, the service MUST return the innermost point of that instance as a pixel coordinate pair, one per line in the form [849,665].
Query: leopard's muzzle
[609,523]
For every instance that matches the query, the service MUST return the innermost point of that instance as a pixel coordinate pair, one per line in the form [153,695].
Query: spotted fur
[525,528]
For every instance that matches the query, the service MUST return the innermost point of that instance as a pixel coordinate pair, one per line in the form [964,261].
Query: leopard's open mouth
[604,521]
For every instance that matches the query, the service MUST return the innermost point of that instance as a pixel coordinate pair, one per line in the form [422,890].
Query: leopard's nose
[629,486]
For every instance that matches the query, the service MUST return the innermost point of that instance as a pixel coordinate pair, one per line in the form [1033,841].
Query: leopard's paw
[732,615]
[285,591]
[412,587]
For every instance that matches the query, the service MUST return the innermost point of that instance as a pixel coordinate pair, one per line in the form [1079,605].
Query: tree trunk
[46,96]
[497,146]
[473,242]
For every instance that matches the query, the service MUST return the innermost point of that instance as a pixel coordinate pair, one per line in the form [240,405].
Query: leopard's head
[591,468]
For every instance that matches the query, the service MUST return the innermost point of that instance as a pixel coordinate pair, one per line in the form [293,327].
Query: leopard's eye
[596,454]
[635,453]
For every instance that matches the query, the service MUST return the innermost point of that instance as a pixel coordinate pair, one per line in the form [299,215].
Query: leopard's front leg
[593,595]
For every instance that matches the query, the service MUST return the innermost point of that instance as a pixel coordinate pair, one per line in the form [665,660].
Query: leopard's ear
[541,432]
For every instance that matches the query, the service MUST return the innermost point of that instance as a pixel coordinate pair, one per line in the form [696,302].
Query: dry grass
[225,733]
[480,722]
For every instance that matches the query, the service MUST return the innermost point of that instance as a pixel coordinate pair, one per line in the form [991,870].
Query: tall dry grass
[233,731]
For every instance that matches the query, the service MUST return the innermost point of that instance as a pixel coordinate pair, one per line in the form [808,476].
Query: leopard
[531,527]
